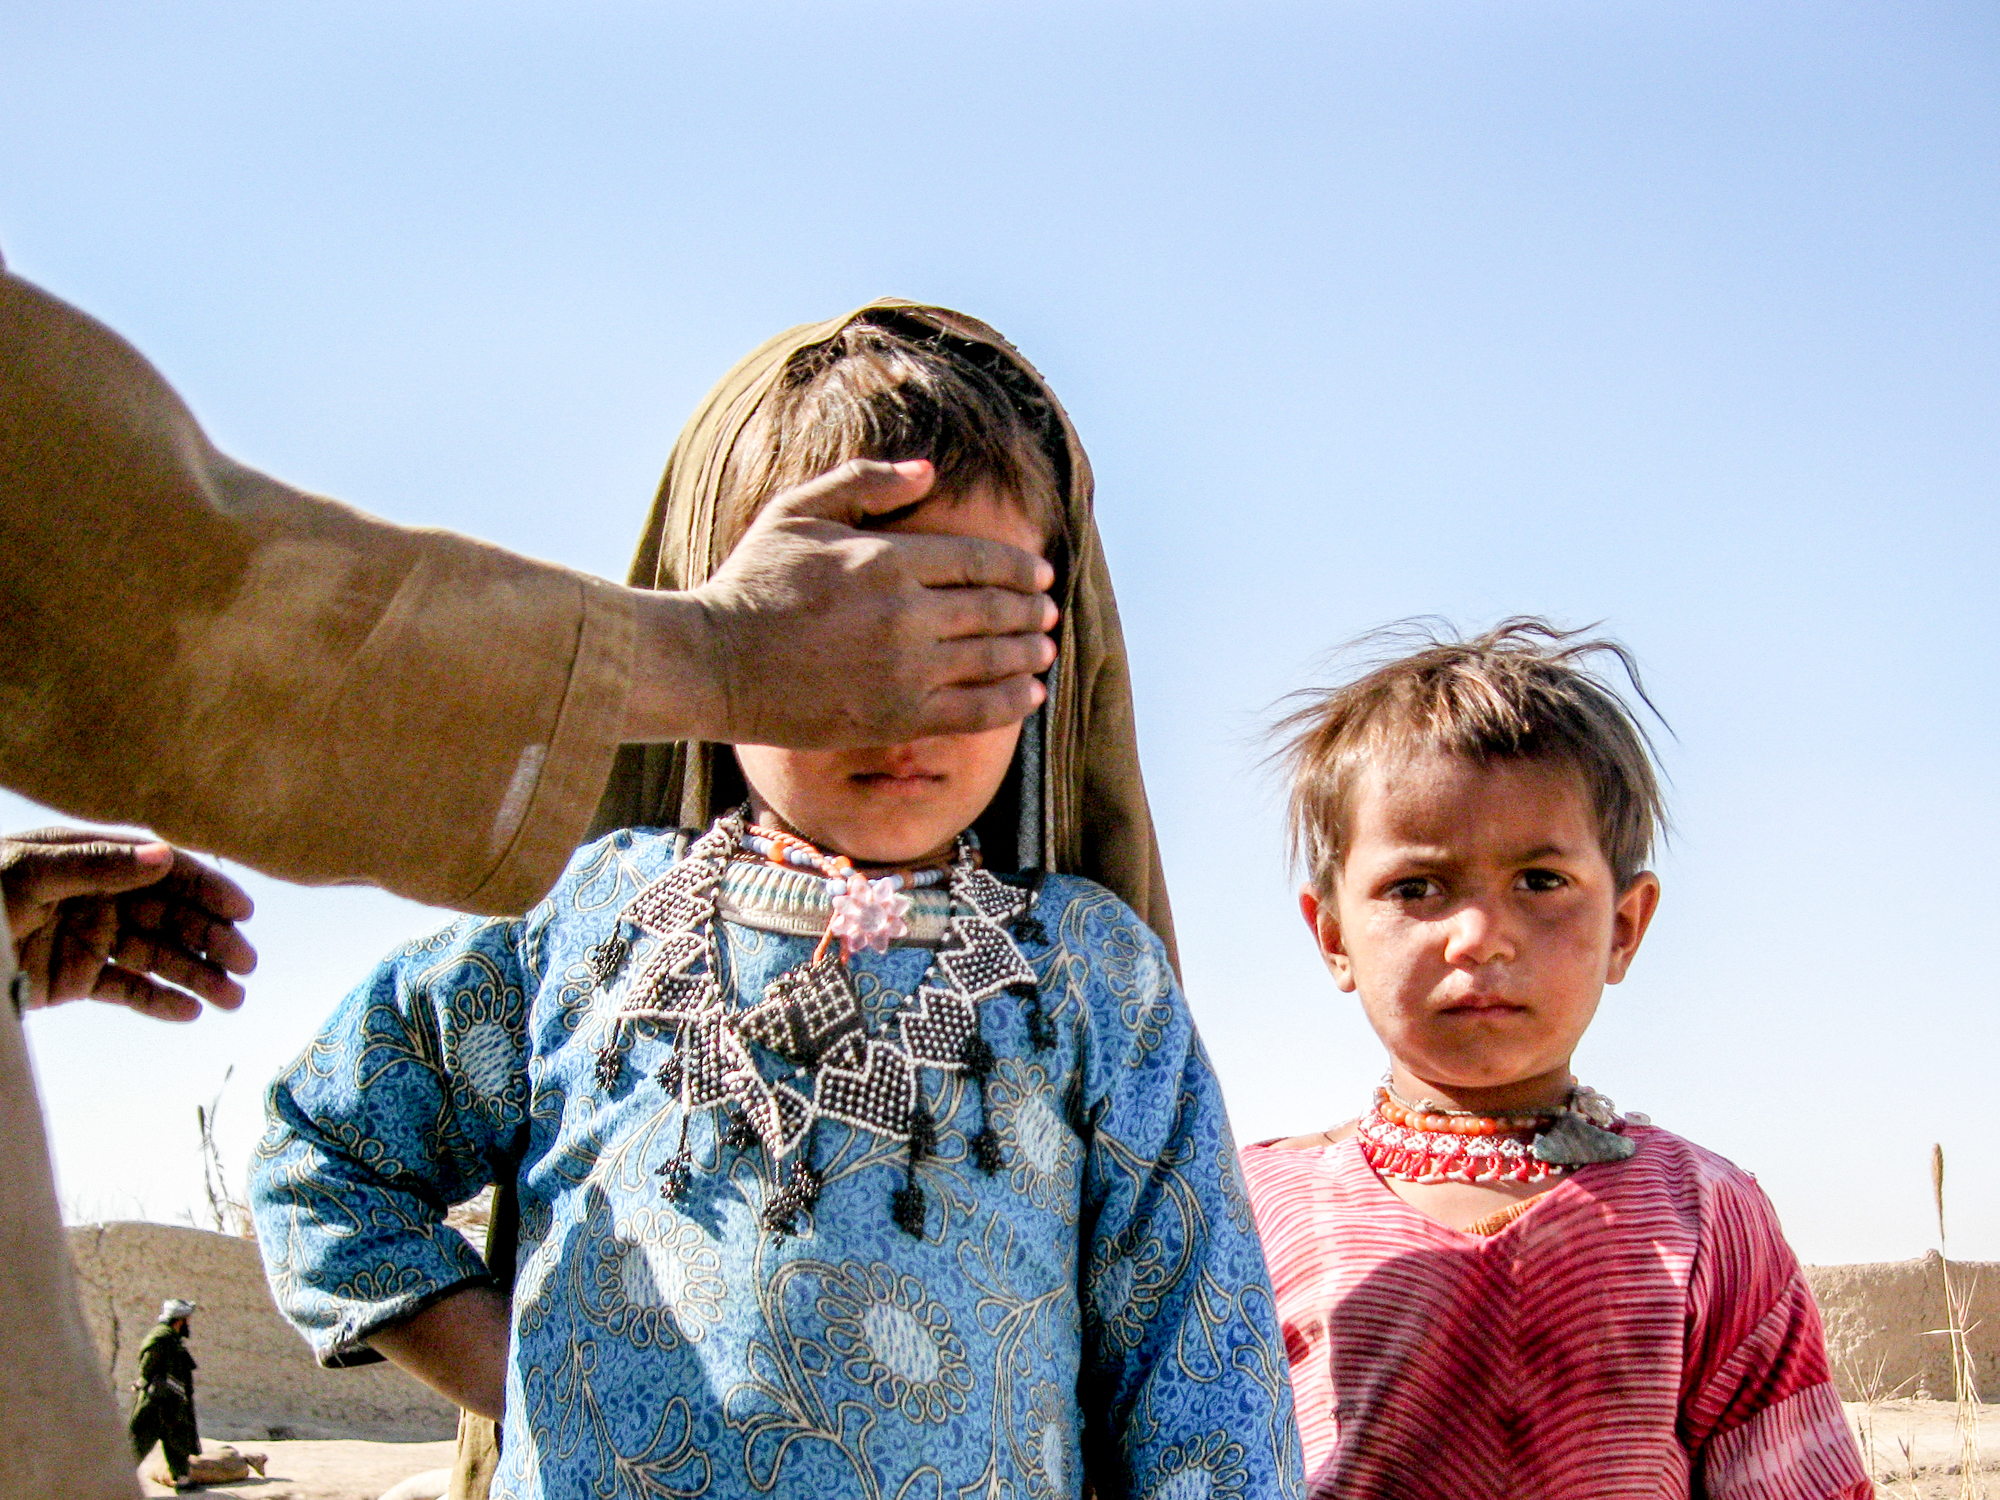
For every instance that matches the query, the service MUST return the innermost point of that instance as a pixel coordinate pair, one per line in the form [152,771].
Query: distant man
[164,1412]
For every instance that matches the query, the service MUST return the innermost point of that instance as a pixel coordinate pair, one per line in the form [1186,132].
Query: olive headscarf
[1075,802]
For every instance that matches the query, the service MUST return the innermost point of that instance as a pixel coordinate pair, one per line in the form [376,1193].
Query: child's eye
[1543,880]
[1413,889]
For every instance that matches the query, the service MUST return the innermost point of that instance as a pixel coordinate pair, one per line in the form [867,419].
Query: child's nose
[1474,936]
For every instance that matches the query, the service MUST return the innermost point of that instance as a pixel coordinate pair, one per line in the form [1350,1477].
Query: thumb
[859,488]
[49,873]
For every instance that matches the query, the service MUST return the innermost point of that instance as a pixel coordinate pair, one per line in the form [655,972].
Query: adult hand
[101,916]
[815,634]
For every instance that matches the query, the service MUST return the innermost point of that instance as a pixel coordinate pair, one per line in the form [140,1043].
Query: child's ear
[1629,920]
[1323,917]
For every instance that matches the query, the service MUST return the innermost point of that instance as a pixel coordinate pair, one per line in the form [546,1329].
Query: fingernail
[912,467]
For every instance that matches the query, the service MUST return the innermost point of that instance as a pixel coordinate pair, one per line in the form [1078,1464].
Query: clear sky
[1678,316]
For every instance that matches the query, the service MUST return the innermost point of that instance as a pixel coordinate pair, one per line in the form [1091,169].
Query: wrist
[677,686]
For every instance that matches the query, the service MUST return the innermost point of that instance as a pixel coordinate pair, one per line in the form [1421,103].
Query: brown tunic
[193,646]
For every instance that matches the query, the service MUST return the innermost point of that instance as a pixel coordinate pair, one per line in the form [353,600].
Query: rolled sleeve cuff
[548,808]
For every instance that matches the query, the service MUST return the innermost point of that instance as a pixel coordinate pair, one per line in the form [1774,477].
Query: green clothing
[164,1413]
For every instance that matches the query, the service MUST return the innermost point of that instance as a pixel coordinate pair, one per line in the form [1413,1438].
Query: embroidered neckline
[812,1020]
[757,894]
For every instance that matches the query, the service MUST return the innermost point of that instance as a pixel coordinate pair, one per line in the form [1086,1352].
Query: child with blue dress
[858,1149]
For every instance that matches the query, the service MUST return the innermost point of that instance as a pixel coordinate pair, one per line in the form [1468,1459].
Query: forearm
[265,674]
[457,1347]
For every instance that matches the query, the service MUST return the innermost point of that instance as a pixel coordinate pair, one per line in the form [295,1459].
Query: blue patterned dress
[1094,1307]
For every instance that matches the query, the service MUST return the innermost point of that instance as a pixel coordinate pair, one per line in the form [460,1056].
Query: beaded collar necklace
[1434,1144]
[811,1019]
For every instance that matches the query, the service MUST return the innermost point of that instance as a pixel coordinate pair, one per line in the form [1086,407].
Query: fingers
[211,889]
[158,915]
[988,660]
[859,488]
[43,873]
[958,613]
[973,562]
[967,710]
[139,953]
[121,986]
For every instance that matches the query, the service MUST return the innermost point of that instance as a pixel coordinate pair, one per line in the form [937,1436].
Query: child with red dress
[1492,1284]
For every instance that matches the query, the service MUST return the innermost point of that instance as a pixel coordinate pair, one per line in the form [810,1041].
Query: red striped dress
[1642,1330]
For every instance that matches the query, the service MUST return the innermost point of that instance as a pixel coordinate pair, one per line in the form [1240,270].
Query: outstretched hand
[817,634]
[99,916]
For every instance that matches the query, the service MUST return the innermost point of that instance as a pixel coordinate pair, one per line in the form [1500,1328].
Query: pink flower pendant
[869,914]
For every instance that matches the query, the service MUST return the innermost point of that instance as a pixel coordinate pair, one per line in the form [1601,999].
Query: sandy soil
[347,1469]
[1915,1448]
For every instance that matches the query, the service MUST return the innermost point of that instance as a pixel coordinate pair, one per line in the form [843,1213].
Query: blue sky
[1676,316]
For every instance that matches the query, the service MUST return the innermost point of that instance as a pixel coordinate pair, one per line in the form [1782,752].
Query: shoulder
[624,857]
[1722,1200]
[1700,1169]
[1084,919]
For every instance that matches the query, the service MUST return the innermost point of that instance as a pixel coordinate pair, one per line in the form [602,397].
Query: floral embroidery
[1041,1151]
[896,1339]
[1096,1278]
[1203,1468]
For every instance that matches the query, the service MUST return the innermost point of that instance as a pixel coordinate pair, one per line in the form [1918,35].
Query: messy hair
[892,387]
[1522,691]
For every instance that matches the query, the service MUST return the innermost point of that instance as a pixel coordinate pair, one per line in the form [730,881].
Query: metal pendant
[1574,1142]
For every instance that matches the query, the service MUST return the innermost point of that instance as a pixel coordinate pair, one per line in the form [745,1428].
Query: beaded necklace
[811,1017]
[868,913]
[1433,1144]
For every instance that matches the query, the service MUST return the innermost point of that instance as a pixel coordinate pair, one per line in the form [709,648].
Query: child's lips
[1482,1004]
[897,783]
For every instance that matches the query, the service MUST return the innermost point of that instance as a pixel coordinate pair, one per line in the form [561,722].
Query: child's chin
[901,842]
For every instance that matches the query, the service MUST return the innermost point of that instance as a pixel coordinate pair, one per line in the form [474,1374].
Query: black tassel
[923,1134]
[1028,928]
[976,1056]
[676,1175]
[986,1152]
[607,957]
[908,1208]
[737,1131]
[610,1063]
[798,1196]
[678,1171]
[1041,1032]
[805,1185]
[669,1075]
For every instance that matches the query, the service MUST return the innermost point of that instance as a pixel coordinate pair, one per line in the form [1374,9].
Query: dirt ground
[1915,1448]
[346,1469]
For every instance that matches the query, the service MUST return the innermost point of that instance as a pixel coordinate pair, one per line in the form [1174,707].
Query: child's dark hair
[1519,691]
[892,388]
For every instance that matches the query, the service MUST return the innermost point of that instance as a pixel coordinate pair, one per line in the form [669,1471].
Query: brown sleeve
[192,646]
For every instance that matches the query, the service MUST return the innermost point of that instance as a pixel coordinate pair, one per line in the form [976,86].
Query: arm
[404,1104]
[194,646]
[1184,1362]
[1759,1407]
[457,1347]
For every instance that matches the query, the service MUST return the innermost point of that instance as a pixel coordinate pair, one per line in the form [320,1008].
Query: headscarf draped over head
[1093,820]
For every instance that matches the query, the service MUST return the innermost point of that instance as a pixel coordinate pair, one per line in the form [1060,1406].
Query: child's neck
[1542,1091]
[766,816]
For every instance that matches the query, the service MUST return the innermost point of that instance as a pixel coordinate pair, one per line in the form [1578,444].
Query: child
[1491,1284]
[847,1165]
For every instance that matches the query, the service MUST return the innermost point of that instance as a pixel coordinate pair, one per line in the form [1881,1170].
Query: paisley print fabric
[1094,1310]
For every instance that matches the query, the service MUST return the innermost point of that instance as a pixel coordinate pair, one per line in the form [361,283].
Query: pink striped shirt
[1643,1330]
